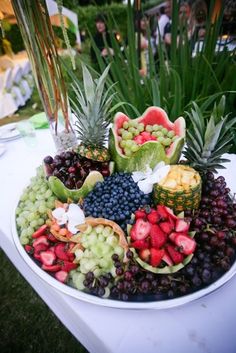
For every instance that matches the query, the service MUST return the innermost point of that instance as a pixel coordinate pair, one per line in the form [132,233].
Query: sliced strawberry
[144,254]
[162,212]
[29,249]
[68,266]
[61,252]
[61,276]
[172,236]
[51,268]
[37,256]
[186,243]
[52,238]
[167,259]
[139,139]
[140,230]
[47,257]
[157,237]
[156,257]
[40,247]
[153,217]
[41,240]
[140,214]
[167,227]
[181,225]
[40,231]
[171,213]
[140,244]
[176,256]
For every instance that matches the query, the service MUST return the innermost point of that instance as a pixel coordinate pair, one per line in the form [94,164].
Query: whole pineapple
[208,140]
[93,113]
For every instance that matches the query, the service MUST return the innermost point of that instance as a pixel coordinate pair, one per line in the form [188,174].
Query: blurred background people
[101,39]
[162,22]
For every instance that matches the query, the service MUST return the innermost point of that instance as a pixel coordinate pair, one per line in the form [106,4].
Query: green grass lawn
[26,323]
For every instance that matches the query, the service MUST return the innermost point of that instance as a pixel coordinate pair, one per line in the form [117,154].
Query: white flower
[73,217]
[147,179]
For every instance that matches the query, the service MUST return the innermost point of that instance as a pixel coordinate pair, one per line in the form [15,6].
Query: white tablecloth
[205,325]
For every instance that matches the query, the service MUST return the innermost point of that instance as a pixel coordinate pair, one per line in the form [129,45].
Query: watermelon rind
[162,270]
[150,153]
[64,194]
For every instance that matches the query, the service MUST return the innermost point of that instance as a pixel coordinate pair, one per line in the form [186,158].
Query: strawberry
[181,225]
[167,258]
[156,257]
[140,214]
[186,243]
[139,244]
[52,238]
[144,254]
[172,236]
[37,256]
[162,212]
[60,251]
[29,249]
[47,257]
[40,231]
[68,266]
[153,217]
[41,240]
[157,237]
[61,276]
[51,268]
[167,227]
[139,139]
[140,230]
[171,213]
[40,247]
[176,256]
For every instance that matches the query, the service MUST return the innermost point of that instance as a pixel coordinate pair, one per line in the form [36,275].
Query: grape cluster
[32,209]
[115,199]
[72,169]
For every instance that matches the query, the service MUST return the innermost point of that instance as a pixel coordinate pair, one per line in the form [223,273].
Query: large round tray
[162,304]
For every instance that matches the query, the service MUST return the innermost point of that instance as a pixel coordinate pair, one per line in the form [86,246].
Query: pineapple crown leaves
[209,139]
[92,107]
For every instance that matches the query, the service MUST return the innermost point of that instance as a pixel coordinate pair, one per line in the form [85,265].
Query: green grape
[167,142]
[125,125]
[133,123]
[149,128]
[140,127]
[159,133]
[155,127]
[134,148]
[123,143]
[160,139]
[120,131]
[164,131]
[171,134]
[24,240]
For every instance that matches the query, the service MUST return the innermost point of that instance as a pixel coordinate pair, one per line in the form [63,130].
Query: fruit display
[103,233]
[180,189]
[147,140]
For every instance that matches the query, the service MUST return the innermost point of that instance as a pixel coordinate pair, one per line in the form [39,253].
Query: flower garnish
[71,217]
[147,179]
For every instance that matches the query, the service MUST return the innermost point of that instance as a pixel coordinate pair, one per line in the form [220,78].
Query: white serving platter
[75,293]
